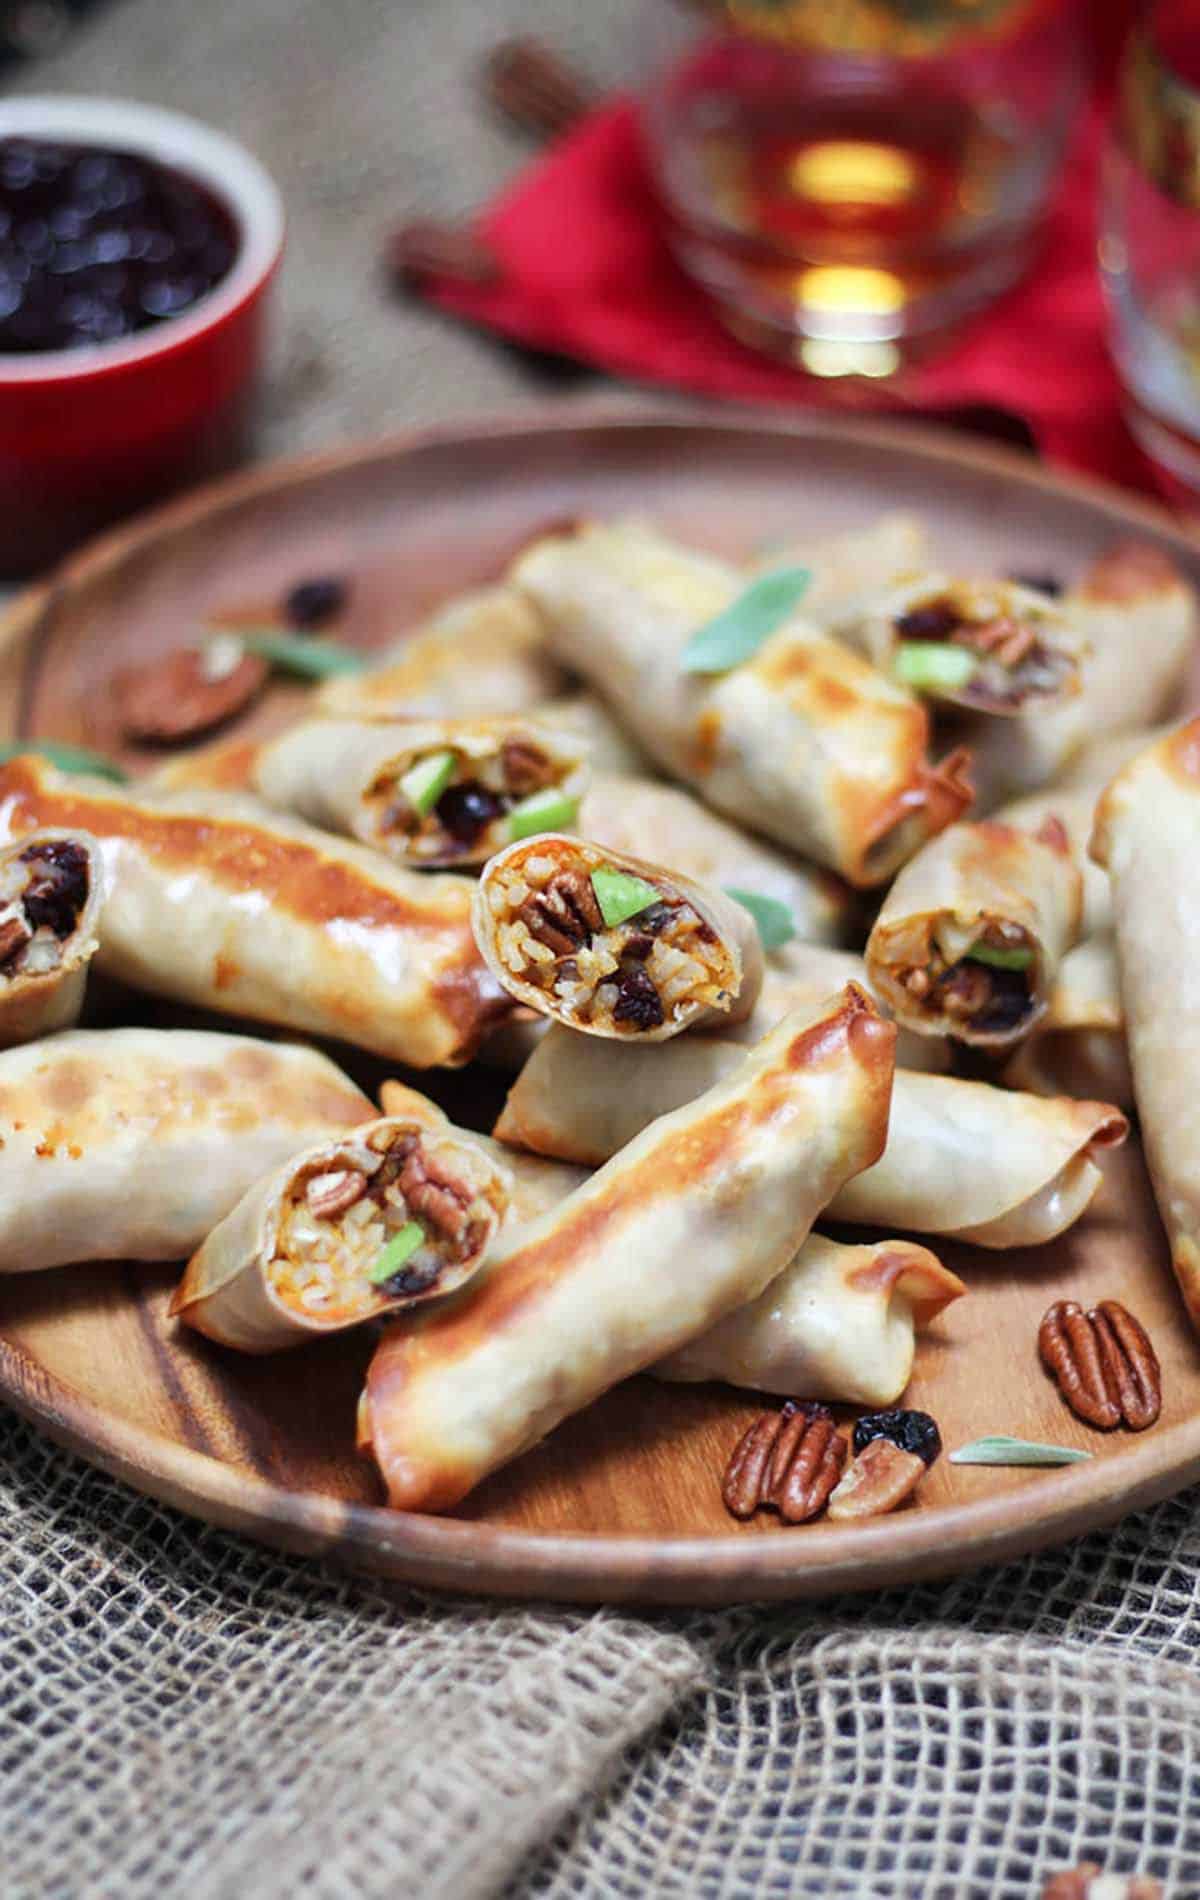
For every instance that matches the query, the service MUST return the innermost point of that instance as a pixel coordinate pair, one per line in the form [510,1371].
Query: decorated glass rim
[1159,117]
[895,29]
[225,168]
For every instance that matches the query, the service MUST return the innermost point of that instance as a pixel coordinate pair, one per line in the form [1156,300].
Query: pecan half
[182,694]
[431,248]
[879,1479]
[565,914]
[788,1461]
[1075,1883]
[330,1194]
[436,1200]
[534,87]
[1103,1364]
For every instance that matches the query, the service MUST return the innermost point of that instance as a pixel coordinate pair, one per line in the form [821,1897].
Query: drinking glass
[847,177]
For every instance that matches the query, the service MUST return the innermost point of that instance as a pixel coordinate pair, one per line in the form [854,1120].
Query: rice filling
[470,810]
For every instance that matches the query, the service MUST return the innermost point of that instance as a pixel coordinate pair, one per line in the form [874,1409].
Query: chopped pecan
[534,87]
[331,1193]
[526,767]
[879,1479]
[1103,1363]
[14,935]
[565,914]
[1009,640]
[182,694]
[435,1200]
[1076,1883]
[966,990]
[788,1461]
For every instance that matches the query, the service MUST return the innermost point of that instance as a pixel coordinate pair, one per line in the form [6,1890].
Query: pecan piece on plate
[1103,1364]
[880,1478]
[182,694]
[1089,1882]
[788,1461]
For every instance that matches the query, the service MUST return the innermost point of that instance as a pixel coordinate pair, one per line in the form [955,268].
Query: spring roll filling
[629,975]
[398,1203]
[985,648]
[43,892]
[984,977]
[443,803]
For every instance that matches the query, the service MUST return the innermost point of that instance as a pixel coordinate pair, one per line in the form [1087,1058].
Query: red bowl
[89,434]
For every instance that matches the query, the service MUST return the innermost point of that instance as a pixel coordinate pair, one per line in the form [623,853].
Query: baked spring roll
[804,741]
[481,653]
[963,1159]
[426,792]
[1147,834]
[969,939]
[838,1323]
[372,1222]
[1079,1046]
[851,569]
[214,899]
[664,823]
[131,1144]
[610,945]
[609,748]
[51,889]
[693,1219]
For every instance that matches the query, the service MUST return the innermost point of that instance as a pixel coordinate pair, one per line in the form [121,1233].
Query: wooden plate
[623,1501]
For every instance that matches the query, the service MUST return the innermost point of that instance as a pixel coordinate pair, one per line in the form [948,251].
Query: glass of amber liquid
[1150,241]
[849,178]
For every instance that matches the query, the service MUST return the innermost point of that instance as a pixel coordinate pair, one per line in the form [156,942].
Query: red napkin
[586,272]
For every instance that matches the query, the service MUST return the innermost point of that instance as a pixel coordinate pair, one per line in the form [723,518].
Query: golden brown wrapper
[1147,836]
[839,1322]
[979,891]
[693,1219]
[233,1292]
[38,1002]
[804,741]
[731,935]
[131,1144]
[963,1159]
[216,900]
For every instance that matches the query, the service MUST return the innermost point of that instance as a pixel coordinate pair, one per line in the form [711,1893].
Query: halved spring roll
[804,741]
[368,1224]
[426,792]
[482,652]
[1079,1046]
[963,1159]
[838,1323]
[610,945]
[535,1183]
[1148,836]
[969,938]
[991,646]
[217,900]
[131,1144]
[648,819]
[51,889]
[693,1219]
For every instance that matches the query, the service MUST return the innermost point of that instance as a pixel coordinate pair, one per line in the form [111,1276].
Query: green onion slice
[999,956]
[930,666]
[401,1247]
[737,633]
[549,810]
[999,1450]
[621,896]
[68,758]
[292,653]
[776,925]
[424,782]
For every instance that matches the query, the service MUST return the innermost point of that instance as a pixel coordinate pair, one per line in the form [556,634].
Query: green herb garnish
[620,895]
[68,758]
[424,782]
[737,633]
[550,810]
[776,925]
[292,653]
[930,666]
[999,1450]
[401,1247]
[999,956]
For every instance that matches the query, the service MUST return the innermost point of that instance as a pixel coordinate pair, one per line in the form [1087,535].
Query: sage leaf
[737,633]
[293,653]
[68,758]
[1000,1450]
[776,925]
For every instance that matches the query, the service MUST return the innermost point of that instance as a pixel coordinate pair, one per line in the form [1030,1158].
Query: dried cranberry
[313,603]
[1010,1002]
[912,1431]
[1040,583]
[466,810]
[937,621]
[637,947]
[412,1280]
[59,890]
[638,1002]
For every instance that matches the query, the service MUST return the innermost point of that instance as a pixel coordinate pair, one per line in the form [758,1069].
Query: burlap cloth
[183,1713]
